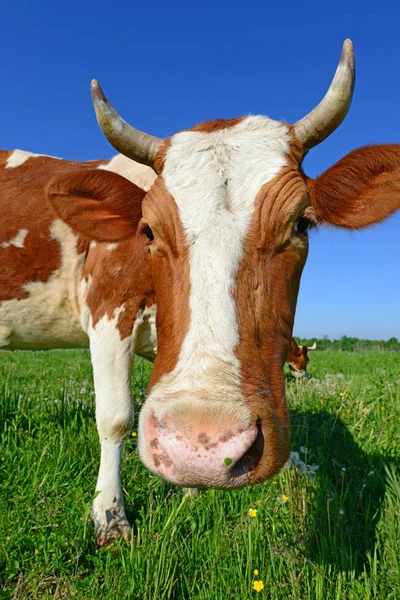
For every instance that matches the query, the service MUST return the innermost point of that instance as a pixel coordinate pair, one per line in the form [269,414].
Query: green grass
[335,537]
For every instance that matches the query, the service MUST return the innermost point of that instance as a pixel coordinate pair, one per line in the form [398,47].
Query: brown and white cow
[297,358]
[59,289]
[222,232]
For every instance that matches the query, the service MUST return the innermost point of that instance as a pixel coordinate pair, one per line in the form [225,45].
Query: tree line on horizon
[351,344]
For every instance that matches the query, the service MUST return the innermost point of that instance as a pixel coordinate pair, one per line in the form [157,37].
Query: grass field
[330,532]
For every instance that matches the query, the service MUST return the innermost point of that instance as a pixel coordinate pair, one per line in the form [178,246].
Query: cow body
[46,267]
[61,290]
[221,234]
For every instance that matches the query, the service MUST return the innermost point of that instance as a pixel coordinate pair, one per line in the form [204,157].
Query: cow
[297,358]
[218,243]
[59,289]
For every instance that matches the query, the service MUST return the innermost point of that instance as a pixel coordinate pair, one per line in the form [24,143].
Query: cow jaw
[213,175]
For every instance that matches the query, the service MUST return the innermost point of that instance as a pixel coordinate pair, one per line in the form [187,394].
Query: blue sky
[170,65]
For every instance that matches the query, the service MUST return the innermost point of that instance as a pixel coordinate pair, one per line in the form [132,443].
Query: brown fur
[119,277]
[101,207]
[22,189]
[266,294]
[91,201]
[361,189]
[170,270]
[105,206]
[217,125]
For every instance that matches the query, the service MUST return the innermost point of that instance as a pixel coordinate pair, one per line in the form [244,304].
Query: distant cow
[222,233]
[297,358]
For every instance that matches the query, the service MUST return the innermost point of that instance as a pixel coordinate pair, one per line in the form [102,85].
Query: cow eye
[148,232]
[302,225]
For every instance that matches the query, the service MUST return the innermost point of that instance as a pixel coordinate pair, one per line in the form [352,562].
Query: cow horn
[313,347]
[330,112]
[129,141]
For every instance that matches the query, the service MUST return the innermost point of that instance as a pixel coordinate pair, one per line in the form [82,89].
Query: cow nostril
[251,457]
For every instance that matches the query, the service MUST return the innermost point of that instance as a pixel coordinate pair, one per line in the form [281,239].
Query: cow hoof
[110,524]
[106,537]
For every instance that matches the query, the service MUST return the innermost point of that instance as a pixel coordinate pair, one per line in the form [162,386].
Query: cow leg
[112,360]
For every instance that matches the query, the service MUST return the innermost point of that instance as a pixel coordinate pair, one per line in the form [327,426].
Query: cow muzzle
[220,454]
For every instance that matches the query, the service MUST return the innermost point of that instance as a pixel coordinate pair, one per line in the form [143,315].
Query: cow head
[298,358]
[226,226]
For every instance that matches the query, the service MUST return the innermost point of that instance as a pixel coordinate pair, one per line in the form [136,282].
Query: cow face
[226,222]
[228,230]
[226,227]
[298,358]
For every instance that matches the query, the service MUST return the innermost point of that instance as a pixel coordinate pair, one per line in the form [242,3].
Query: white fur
[141,175]
[18,157]
[18,240]
[214,179]
[50,316]
[112,360]
[111,245]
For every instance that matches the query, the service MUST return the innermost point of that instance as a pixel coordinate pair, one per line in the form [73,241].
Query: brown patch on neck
[169,262]
[119,277]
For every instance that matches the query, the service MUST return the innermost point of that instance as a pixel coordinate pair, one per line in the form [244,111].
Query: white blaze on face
[215,178]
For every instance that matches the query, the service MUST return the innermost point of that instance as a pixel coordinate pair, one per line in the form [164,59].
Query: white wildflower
[301,466]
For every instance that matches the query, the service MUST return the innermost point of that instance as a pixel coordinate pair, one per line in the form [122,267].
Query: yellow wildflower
[134,434]
[282,499]
[258,585]
[275,482]
[341,394]
[252,512]
[255,571]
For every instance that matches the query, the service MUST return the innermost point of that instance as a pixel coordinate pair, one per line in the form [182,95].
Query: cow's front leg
[112,360]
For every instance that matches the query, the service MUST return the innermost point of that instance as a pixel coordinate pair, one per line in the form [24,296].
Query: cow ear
[101,205]
[361,189]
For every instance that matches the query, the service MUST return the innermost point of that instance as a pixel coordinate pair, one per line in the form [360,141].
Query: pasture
[326,527]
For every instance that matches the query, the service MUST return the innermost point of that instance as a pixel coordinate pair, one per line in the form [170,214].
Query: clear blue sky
[170,65]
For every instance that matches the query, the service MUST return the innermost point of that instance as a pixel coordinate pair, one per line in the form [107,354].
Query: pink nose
[212,458]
